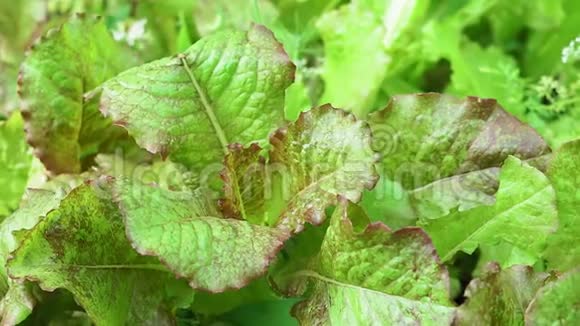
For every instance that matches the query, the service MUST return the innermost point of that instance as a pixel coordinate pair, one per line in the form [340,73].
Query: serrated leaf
[562,252]
[447,151]
[213,253]
[226,88]
[374,277]
[15,160]
[523,216]
[325,153]
[557,301]
[81,247]
[63,125]
[500,297]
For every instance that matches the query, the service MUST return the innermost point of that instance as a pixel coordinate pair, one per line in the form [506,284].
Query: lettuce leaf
[325,153]
[446,152]
[374,276]
[63,122]
[523,216]
[213,253]
[16,160]
[81,246]
[226,88]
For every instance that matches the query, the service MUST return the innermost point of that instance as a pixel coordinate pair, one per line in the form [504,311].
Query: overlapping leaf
[447,152]
[325,153]
[81,247]
[17,301]
[374,277]
[63,125]
[213,253]
[522,217]
[227,88]
[500,297]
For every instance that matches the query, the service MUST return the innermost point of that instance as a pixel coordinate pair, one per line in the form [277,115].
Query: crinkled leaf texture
[81,246]
[374,277]
[63,125]
[499,297]
[17,301]
[227,88]
[523,217]
[325,153]
[213,253]
[563,252]
[447,151]
[557,301]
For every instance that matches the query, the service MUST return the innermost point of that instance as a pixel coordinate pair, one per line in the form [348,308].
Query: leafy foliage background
[428,208]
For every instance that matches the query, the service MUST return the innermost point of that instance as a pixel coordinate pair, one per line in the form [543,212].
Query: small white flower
[136,31]
[130,33]
[571,52]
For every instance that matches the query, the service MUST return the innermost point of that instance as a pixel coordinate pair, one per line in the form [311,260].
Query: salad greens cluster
[175,162]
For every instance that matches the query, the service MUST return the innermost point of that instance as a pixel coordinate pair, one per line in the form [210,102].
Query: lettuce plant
[176,191]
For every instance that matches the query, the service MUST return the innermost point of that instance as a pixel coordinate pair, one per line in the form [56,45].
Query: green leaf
[297,253]
[16,305]
[245,183]
[19,22]
[503,252]
[81,247]
[389,203]
[17,301]
[64,126]
[226,88]
[358,39]
[488,73]
[446,152]
[543,53]
[297,99]
[15,160]
[184,36]
[215,15]
[562,253]
[374,277]
[523,216]
[557,301]
[325,153]
[500,297]
[213,253]
[299,16]
[36,206]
